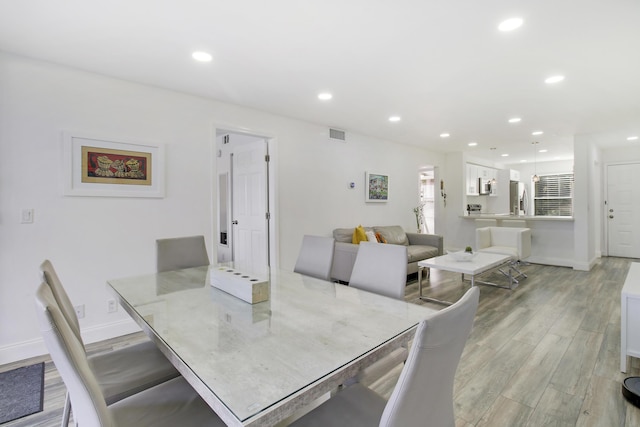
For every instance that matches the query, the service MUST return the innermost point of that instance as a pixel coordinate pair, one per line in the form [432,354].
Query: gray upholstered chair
[119,373]
[315,257]
[424,392]
[381,269]
[170,403]
[181,252]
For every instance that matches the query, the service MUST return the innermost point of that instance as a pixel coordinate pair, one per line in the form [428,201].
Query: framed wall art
[377,187]
[110,167]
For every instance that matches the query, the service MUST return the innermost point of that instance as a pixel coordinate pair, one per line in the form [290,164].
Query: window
[553,195]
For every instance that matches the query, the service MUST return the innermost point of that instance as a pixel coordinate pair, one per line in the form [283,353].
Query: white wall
[91,240]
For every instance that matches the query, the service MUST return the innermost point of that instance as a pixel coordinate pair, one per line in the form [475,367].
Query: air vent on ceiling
[338,135]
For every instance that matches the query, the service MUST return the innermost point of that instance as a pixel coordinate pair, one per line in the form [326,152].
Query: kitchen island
[552,238]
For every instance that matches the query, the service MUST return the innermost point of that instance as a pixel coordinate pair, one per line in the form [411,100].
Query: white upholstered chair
[119,373]
[423,395]
[515,242]
[181,252]
[171,403]
[380,268]
[315,257]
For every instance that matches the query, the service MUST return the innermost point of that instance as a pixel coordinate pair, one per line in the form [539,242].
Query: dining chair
[181,252]
[119,373]
[315,257]
[423,394]
[170,403]
[381,269]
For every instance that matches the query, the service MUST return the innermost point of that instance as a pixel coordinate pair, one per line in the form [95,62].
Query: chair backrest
[181,252]
[315,257]
[67,353]
[517,223]
[380,268]
[486,222]
[424,392]
[519,239]
[66,307]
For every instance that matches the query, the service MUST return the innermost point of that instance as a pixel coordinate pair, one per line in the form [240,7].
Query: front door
[623,210]
[249,224]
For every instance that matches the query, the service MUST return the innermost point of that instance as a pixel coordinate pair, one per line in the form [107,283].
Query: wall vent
[338,135]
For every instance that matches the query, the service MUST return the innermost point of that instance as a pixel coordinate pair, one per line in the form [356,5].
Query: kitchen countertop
[509,216]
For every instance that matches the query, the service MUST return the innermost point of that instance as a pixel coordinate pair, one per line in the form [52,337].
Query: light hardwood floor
[544,354]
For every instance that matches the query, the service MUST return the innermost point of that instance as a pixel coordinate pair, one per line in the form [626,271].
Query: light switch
[26,216]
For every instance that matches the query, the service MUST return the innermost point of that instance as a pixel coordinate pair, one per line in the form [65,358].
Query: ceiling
[441,65]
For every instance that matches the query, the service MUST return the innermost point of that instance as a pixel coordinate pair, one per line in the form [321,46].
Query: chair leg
[66,412]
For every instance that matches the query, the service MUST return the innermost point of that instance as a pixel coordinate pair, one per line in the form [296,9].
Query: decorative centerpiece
[466,255]
[241,285]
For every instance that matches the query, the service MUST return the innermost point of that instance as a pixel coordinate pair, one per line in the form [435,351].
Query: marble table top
[255,364]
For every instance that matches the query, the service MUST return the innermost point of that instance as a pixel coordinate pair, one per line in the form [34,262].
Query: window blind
[554,195]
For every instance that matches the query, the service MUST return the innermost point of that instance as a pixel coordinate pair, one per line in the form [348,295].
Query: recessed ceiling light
[632,138]
[515,120]
[554,79]
[510,24]
[472,144]
[523,161]
[395,118]
[504,155]
[538,132]
[444,135]
[202,56]
[324,96]
[543,151]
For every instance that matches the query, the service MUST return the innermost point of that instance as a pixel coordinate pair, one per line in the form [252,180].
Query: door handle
[234,222]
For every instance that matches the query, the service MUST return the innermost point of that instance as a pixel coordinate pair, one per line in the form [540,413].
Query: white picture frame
[96,166]
[376,187]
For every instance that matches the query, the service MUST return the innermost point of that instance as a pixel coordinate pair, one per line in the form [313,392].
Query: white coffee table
[480,263]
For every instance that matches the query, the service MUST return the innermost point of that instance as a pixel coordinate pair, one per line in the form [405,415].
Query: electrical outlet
[112,307]
[79,311]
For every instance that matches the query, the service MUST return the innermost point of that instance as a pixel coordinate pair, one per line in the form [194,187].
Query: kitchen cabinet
[472,180]
[475,172]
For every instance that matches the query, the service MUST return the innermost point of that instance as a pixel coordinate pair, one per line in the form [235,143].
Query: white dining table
[257,364]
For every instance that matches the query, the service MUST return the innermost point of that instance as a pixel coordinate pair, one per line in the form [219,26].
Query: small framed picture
[110,167]
[377,187]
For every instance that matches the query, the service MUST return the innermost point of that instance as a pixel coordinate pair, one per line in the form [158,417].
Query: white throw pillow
[371,236]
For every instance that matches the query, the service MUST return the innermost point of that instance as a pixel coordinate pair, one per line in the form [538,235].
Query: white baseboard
[559,262]
[36,347]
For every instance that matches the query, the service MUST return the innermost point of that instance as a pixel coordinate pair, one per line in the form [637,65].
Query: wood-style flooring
[544,354]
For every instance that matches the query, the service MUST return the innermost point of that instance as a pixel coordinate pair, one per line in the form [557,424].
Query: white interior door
[249,205]
[623,210]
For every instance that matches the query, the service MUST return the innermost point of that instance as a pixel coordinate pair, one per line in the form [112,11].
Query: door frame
[270,182]
[605,203]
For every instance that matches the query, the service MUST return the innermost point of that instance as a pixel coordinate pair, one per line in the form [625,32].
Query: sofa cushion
[393,234]
[417,253]
[359,235]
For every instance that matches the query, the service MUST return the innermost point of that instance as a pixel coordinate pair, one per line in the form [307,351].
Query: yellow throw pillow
[359,235]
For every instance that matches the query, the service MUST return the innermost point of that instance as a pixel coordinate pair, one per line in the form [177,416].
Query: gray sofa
[419,247]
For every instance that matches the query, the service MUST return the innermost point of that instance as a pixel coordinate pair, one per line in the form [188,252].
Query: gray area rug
[21,392]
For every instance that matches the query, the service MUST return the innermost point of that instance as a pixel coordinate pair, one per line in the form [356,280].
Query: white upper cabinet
[472,180]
